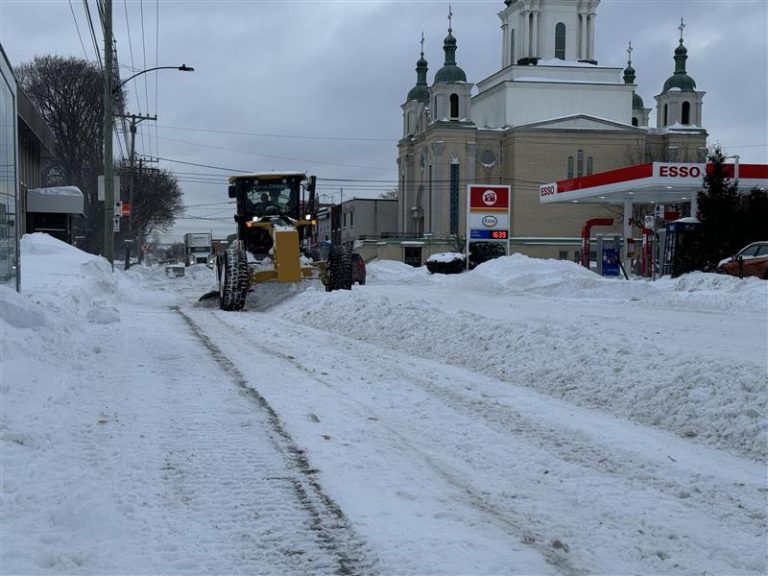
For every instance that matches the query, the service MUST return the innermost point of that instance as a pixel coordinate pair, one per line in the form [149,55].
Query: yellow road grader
[276,228]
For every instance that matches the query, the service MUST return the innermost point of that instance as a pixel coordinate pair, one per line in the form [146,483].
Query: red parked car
[358,269]
[751,260]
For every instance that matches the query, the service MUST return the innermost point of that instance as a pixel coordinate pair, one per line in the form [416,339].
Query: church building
[550,113]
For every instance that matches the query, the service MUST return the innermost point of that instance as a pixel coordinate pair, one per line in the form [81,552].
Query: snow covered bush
[446,263]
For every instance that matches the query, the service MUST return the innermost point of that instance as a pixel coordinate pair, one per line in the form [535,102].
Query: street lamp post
[109,92]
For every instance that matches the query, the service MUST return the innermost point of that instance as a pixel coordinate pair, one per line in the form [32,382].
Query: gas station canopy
[651,183]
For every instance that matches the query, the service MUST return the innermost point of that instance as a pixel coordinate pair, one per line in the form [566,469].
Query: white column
[582,37]
[628,233]
[526,34]
[535,34]
[590,36]
[506,49]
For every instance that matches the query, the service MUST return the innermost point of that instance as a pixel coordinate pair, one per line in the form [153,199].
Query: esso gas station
[660,184]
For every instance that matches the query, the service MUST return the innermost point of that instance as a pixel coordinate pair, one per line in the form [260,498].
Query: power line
[288,136]
[77,27]
[278,157]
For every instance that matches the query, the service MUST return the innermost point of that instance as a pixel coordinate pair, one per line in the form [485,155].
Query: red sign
[126,209]
[488,198]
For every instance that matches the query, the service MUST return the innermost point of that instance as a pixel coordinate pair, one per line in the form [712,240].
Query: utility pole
[135,119]
[109,196]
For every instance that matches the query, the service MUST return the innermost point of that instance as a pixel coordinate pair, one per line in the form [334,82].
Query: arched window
[666,114]
[589,165]
[635,121]
[454,106]
[560,41]
[580,163]
[570,167]
[686,112]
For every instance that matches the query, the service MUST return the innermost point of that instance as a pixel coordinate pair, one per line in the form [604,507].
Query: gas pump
[608,253]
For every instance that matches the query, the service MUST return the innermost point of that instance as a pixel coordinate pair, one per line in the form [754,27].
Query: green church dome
[680,79]
[420,92]
[450,72]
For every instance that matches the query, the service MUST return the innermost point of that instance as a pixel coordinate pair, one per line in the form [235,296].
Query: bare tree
[157,200]
[393,194]
[68,94]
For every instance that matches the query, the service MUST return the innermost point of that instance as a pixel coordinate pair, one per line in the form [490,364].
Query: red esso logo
[490,198]
[680,171]
[547,190]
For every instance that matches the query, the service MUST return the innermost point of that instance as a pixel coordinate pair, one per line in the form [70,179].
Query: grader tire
[233,280]
[339,270]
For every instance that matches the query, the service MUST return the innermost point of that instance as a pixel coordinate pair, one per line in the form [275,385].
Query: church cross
[629,52]
[450,15]
[682,25]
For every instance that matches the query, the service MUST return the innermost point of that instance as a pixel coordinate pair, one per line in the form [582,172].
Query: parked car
[751,260]
[358,269]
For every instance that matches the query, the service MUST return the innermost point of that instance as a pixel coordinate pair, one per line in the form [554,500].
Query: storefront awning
[55,200]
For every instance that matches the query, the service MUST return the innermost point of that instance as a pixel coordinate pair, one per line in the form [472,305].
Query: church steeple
[420,92]
[629,72]
[450,72]
[680,79]
[639,112]
[679,102]
[450,92]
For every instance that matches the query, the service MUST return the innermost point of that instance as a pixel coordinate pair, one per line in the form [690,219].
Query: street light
[182,68]
[109,92]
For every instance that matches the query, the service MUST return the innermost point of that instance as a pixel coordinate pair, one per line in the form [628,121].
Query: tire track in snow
[738,507]
[555,555]
[328,522]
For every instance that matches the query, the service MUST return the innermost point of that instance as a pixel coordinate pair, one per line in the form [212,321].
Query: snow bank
[691,394]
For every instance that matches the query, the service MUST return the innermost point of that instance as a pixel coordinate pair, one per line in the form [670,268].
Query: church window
[512,47]
[589,165]
[454,198]
[635,121]
[560,41]
[580,164]
[454,106]
[686,113]
[666,114]
[570,167]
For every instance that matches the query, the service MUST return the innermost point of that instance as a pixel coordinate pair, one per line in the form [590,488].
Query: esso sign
[547,190]
[680,171]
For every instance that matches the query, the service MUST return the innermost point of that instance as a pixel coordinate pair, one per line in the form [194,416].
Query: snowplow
[276,224]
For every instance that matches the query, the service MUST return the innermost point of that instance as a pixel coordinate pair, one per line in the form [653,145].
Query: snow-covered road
[526,418]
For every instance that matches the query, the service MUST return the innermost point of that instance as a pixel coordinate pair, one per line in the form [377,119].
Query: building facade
[551,112]
[9,178]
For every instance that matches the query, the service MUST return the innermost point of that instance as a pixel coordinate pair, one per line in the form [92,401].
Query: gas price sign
[488,212]
[489,234]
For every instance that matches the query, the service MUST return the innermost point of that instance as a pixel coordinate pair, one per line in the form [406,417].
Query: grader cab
[276,223]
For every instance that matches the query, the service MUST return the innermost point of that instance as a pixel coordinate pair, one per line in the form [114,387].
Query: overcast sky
[317,86]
